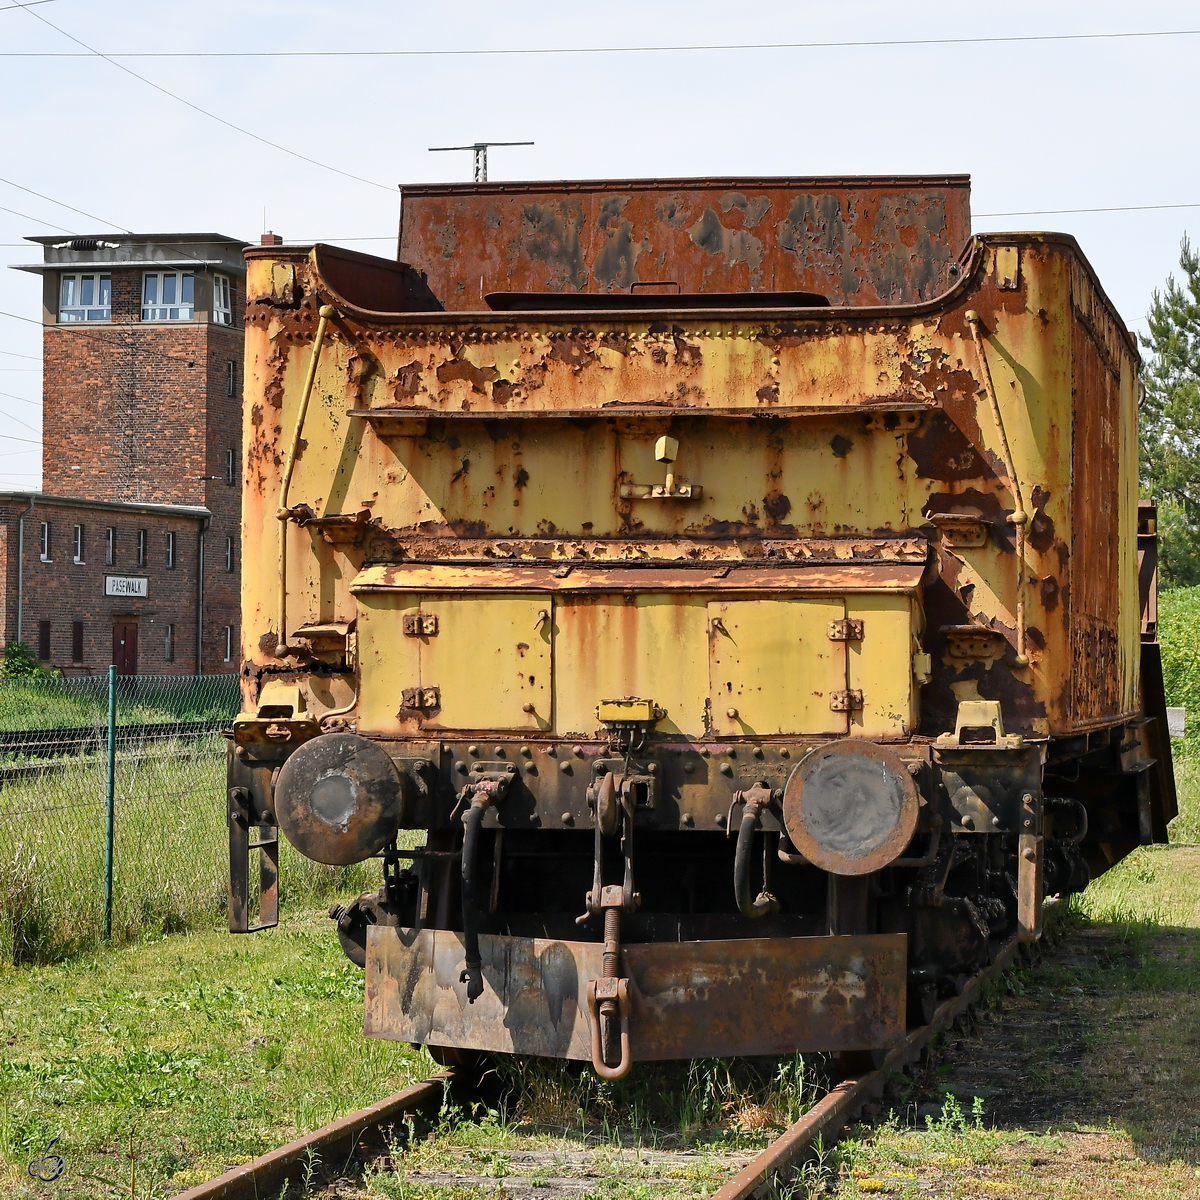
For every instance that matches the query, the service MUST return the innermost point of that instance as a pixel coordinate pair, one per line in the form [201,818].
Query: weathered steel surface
[690,999]
[835,426]
[852,241]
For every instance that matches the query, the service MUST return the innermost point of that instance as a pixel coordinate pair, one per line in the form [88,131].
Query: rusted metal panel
[690,999]
[854,241]
[772,667]
[852,576]
[490,484]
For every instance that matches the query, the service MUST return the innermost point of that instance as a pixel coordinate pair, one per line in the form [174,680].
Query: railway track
[348,1137]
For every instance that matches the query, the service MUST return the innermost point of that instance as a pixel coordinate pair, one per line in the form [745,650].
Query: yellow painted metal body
[487,455]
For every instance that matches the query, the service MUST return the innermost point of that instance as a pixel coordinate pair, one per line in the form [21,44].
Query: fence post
[110,801]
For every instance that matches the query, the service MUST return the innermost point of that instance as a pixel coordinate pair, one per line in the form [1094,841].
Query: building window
[169,644]
[171,551]
[168,296]
[231,378]
[44,541]
[77,544]
[110,546]
[85,298]
[77,641]
[222,308]
[227,636]
[44,641]
[229,555]
[230,468]
[141,547]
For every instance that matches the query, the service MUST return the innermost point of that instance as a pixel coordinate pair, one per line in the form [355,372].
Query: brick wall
[62,591]
[141,412]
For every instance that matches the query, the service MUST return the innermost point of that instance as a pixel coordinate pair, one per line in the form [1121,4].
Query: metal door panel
[881,666]
[773,666]
[649,645]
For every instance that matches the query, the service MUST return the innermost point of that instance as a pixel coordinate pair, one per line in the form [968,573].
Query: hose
[472,973]
[764,903]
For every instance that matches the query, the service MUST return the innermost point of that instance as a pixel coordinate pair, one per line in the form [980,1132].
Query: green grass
[60,703]
[206,1049]
[170,852]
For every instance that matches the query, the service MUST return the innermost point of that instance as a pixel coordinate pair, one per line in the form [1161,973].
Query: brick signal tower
[130,553]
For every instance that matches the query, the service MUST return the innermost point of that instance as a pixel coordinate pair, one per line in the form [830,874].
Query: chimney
[271,239]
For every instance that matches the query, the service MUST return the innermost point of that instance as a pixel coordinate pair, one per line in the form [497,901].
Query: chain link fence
[167,869]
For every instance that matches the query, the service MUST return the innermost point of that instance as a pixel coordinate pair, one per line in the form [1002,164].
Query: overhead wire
[203,111]
[686,48]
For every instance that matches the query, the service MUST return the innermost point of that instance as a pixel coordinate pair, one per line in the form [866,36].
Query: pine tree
[1169,421]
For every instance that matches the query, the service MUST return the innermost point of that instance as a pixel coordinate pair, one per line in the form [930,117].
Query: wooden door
[125,647]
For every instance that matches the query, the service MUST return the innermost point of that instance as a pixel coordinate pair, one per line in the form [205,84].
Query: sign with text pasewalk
[126,585]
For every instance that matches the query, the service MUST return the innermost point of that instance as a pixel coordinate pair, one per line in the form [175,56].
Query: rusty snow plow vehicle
[739,585]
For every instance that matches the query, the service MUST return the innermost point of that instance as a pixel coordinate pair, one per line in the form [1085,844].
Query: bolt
[1030,855]
[968,823]
[531,767]
[689,767]
[461,767]
[758,752]
[706,752]
[526,752]
[499,751]
[731,713]
[527,707]
[785,753]
[477,766]
[568,818]
[577,750]
[565,768]
[1028,823]
[689,820]
[510,769]
[420,764]
[240,752]
[721,819]
[472,749]
[914,768]
[727,768]
[995,822]
[652,768]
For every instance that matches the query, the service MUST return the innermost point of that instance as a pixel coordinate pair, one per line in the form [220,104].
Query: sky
[1086,123]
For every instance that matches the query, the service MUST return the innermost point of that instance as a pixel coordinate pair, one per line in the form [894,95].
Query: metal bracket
[241,817]
[420,624]
[846,630]
[423,699]
[847,701]
[652,491]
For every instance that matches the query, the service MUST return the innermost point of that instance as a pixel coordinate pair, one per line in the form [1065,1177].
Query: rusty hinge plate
[846,630]
[424,699]
[847,701]
[420,624]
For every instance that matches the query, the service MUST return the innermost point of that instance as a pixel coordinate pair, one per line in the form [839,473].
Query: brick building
[130,553]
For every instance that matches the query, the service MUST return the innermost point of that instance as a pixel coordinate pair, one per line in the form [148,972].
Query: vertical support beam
[110,801]
[849,904]
[1030,857]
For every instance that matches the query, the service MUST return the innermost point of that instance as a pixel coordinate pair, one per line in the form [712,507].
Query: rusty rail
[843,1101]
[265,1175]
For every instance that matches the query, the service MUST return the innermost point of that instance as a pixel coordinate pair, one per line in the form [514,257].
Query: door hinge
[846,630]
[424,699]
[420,624]
[846,701]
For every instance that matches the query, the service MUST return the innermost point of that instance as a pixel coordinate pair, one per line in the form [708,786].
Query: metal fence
[112,811]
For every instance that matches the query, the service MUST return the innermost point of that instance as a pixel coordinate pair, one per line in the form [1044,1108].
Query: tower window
[169,644]
[229,555]
[222,308]
[231,378]
[171,551]
[44,641]
[85,298]
[141,547]
[110,546]
[227,638]
[44,541]
[168,296]
[77,641]
[77,544]
[230,468]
